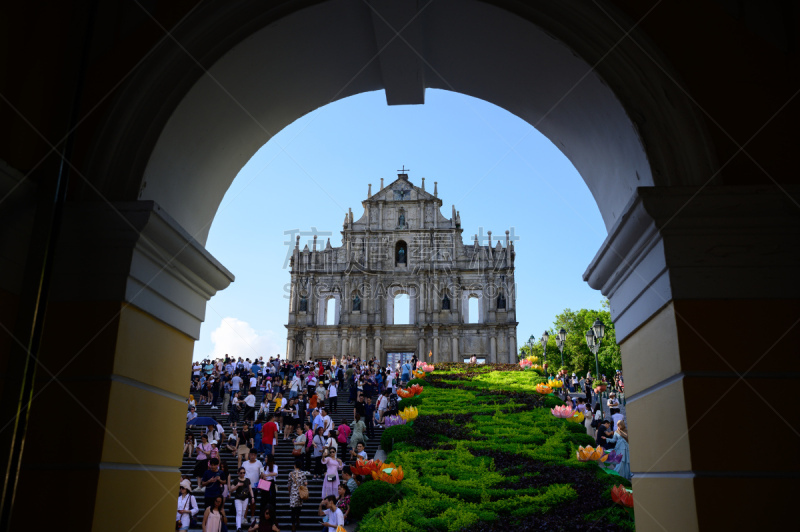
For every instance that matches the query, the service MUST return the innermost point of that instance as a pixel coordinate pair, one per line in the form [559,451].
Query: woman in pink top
[343,432]
[201,465]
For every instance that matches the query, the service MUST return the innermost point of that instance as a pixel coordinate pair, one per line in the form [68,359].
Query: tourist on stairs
[333,465]
[214,516]
[187,505]
[242,491]
[297,479]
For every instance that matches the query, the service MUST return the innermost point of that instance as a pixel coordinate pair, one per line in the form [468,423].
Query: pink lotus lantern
[562,411]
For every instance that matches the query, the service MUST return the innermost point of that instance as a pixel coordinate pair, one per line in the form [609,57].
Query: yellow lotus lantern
[389,473]
[577,417]
[543,389]
[409,413]
[591,454]
[555,383]
[418,373]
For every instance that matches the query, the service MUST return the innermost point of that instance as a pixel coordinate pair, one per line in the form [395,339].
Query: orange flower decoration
[417,389]
[622,496]
[389,473]
[366,468]
[591,454]
[405,394]
[543,389]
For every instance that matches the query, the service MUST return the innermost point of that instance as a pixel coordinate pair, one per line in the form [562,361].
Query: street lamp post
[545,336]
[531,341]
[560,341]
[593,338]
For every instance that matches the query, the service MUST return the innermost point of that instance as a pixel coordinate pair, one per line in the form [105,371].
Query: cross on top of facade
[404,170]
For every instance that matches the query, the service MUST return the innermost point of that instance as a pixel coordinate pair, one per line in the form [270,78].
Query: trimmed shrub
[372,495]
[412,382]
[396,434]
[411,401]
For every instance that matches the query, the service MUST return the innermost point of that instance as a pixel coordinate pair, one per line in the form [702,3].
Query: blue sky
[498,171]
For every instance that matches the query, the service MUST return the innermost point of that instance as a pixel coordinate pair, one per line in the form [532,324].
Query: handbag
[302,492]
[331,478]
[264,484]
[297,452]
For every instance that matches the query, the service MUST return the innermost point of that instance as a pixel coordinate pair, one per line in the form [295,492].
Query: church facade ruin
[461,297]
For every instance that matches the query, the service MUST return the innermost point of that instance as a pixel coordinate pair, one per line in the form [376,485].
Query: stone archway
[167,149]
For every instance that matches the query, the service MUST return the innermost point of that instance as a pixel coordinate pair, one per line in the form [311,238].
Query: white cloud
[237,338]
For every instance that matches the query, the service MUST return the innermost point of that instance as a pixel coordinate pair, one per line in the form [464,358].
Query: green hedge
[411,401]
[395,434]
[373,494]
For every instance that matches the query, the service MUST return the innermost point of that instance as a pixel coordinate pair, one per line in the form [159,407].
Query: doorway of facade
[393,358]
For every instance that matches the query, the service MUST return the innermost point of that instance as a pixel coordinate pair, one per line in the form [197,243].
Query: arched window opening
[473,313]
[402,310]
[330,312]
[400,253]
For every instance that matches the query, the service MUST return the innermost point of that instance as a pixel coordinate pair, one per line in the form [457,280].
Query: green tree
[577,356]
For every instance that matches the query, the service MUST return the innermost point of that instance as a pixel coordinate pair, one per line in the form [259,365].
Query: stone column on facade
[493,348]
[512,347]
[455,346]
[345,341]
[290,354]
[312,300]
[363,346]
[378,353]
[309,345]
[422,351]
[436,344]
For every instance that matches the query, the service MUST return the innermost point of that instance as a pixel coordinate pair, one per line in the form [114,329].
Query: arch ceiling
[615,123]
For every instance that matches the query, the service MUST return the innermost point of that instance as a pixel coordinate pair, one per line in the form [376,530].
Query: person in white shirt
[294,387]
[196,369]
[254,471]
[253,382]
[335,516]
[250,401]
[187,505]
[327,423]
[236,384]
[333,396]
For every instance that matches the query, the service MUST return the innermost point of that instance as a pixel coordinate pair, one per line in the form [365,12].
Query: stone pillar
[378,345]
[436,344]
[345,340]
[363,347]
[493,348]
[689,273]
[512,347]
[309,346]
[290,354]
[455,347]
[128,295]
[422,351]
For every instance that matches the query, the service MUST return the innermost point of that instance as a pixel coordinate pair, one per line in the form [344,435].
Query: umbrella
[203,422]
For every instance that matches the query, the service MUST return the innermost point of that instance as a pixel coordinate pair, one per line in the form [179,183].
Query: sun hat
[186,483]
[214,442]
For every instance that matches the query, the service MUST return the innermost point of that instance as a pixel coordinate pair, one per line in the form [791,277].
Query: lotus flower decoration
[416,389]
[418,373]
[591,454]
[391,421]
[622,496]
[565,412]
[405,393]
[555,383]
[409,414]
[577,417]
[389,473]
[613,458]
[427,368]
[543,389]
[525,363]
[366,468]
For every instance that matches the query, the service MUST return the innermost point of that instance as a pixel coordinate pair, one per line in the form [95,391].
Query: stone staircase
[309,520]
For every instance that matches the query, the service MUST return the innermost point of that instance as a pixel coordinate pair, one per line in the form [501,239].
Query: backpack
[392,403]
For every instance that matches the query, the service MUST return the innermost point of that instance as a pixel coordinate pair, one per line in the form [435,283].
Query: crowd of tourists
[301,406]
